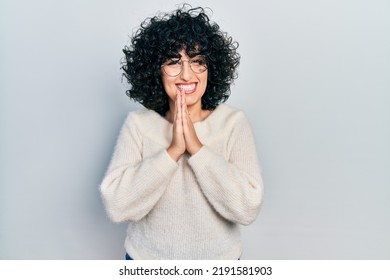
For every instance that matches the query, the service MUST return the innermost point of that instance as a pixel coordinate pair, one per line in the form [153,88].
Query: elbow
[116,218]
[249,213]
[243,215]
[119,216]
[114,213]
[119,212]
[249,216]
[251,206]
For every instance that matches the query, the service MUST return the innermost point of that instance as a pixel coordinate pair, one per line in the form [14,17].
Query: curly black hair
[162,37]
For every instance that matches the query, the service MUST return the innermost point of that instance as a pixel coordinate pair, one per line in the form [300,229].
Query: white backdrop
[314,82]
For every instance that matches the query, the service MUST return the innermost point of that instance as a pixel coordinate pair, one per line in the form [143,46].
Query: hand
[184,135]
[178,146]
[192,141]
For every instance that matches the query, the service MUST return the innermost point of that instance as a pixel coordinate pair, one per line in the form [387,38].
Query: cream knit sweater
[190,209]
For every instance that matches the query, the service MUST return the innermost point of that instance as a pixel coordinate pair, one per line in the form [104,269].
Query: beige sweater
[190,209]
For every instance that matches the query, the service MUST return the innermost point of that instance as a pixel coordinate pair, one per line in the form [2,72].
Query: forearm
[130,191]
[235,192]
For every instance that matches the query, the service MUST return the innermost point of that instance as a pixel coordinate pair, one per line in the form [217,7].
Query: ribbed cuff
[201,159]
[165,164]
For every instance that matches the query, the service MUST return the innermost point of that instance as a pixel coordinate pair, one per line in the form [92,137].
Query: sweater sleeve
[232,184]
[133,184]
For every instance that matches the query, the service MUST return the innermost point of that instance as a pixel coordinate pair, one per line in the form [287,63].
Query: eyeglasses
[174,66]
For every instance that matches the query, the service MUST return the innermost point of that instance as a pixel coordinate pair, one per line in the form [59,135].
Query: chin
[193,101]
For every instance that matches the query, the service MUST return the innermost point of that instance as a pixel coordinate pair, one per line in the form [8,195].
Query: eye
[199,60]
[173,61]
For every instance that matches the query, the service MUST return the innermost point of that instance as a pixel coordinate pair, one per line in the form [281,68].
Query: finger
[178,100]
[175,111]
[179,107]
[187,125]
[183,107]
[183,99]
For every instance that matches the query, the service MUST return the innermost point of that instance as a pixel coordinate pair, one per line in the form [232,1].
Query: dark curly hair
[164,36]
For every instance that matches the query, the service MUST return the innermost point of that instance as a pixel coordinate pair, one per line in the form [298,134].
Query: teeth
[186,87]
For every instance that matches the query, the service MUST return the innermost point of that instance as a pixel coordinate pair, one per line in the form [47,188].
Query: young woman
[185,171]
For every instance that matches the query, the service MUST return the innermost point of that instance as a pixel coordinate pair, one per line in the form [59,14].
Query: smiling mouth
[187,88]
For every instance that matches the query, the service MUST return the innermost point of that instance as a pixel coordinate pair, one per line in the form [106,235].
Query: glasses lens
[198,64]
[173,66]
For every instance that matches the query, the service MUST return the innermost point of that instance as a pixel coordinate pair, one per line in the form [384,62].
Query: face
[193,84]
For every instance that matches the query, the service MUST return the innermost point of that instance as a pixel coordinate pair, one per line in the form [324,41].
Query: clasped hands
[184,136]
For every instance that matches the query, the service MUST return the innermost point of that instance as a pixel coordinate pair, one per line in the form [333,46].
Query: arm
[233,187]
[133,184]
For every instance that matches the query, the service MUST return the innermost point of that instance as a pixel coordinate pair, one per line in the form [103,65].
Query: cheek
[169,87]
[204,83]
[165,82]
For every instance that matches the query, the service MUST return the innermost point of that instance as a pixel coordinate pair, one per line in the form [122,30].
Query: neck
[196,113]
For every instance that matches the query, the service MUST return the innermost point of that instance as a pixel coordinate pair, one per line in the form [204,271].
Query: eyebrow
[193,54]
[179,56]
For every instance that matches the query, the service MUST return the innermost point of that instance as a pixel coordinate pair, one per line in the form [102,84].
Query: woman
[184,172]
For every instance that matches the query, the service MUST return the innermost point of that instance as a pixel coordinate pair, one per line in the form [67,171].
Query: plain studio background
[314,82]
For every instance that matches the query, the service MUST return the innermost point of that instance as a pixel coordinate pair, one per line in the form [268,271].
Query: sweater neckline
[198,123]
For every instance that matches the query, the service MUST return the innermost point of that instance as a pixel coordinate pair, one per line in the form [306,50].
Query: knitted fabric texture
[190,209]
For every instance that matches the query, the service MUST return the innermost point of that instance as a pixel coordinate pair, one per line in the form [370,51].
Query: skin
[185,109]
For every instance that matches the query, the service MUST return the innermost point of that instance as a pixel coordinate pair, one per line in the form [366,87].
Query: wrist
[173,153]
[195,149]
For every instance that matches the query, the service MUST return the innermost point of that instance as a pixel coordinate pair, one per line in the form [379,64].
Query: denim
[128,258]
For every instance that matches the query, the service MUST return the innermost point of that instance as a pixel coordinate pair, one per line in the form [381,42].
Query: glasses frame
[182,65]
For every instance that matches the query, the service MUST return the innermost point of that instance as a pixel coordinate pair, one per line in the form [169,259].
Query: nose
[186,72]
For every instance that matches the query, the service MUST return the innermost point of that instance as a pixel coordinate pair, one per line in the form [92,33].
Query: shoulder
[142,118]
[226,125]
[142,114]
[145,123]
[229,110]
[226,115]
